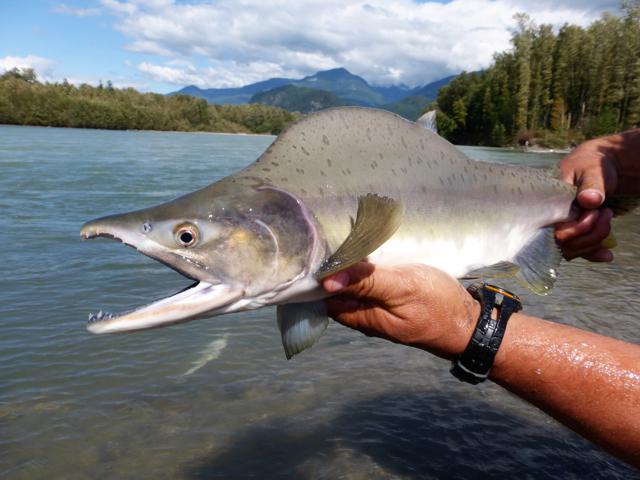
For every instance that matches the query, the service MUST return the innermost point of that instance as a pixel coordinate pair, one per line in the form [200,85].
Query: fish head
[242,244]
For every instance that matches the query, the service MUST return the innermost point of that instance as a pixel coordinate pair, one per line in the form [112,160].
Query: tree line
[26,101]
[551,88]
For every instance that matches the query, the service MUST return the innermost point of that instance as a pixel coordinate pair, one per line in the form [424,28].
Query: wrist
[497,305]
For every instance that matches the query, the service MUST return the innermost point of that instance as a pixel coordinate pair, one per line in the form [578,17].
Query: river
[216,398]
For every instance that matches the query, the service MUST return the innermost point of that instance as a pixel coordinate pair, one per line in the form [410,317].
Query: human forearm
[588,382]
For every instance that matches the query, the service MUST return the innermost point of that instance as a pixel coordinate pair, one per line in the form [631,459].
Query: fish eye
[187,235]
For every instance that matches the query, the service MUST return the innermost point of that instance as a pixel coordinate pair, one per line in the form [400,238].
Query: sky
[164,45]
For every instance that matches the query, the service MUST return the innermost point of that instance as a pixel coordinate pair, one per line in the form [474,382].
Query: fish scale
[448,198]
[336,187]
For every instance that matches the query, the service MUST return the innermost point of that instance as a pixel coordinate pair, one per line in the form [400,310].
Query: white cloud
[41,65]
[78,12]
[222,74]
[384,41]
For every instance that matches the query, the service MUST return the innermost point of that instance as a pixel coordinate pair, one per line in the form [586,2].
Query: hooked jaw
[200,299]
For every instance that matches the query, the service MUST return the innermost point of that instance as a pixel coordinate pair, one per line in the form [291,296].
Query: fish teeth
[98,317]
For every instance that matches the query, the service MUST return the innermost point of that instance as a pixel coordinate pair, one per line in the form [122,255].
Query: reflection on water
[78,406]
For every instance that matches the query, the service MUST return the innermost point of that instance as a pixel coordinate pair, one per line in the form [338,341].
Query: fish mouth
[200,299]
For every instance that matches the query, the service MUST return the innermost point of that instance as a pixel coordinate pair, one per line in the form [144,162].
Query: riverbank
[26,102]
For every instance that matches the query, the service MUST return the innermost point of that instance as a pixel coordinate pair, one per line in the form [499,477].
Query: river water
[216,398]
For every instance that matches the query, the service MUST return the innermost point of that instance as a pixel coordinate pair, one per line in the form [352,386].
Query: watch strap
[474,364]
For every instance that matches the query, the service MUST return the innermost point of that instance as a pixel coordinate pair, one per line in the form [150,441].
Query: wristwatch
[474,364]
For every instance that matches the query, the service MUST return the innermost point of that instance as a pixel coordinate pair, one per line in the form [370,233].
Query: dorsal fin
[429,121]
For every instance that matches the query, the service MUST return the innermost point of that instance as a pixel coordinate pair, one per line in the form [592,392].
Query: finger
[593,254]
[590,197]
[570,230]
[601,255]
[339,281]
[365,281]
[595,236]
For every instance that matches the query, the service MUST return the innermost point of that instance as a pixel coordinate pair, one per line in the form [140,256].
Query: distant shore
[538,149]
[205,132]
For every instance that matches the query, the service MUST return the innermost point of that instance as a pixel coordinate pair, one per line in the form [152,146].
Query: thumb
[361,281]
[591,189]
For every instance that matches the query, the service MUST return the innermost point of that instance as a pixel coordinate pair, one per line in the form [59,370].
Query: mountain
[394,92]
[339,81]
[233,96]
[298,99]
[324,89]
[430,90]
[351,88]
[410,107]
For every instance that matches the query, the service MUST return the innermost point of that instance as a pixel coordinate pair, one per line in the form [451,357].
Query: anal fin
[301,325]
[538,261]
[377,220]
[497,270]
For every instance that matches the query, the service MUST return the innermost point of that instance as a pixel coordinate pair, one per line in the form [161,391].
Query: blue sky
[162,45]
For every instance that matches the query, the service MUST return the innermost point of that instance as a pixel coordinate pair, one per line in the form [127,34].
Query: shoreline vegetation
[26,101]
[551,90]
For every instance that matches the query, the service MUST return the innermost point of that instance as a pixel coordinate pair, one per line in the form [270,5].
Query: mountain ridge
[318,91]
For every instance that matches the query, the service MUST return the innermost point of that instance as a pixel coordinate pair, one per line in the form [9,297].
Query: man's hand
[591,167]
[414,305]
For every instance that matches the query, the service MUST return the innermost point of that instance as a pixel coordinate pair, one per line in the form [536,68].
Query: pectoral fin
[301,325]
[377,220]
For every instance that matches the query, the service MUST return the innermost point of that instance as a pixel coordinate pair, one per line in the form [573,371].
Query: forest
[551,89]
[26,101]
